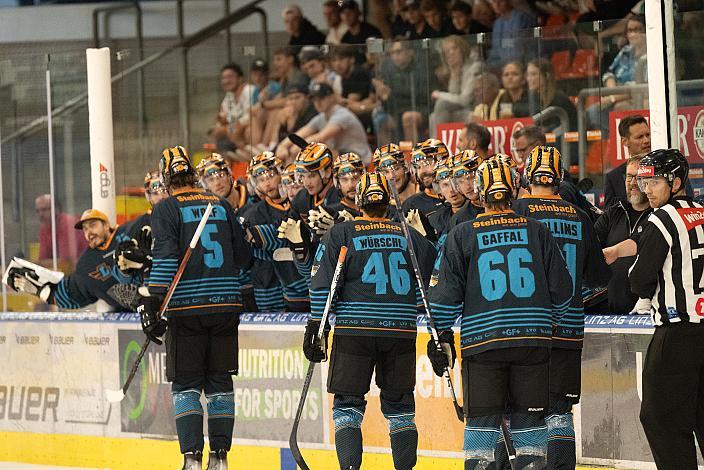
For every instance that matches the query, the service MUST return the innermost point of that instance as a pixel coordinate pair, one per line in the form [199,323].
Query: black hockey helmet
[668,163]
[373,188]
[175,161]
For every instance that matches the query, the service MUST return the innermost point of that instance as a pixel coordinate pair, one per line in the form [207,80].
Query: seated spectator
[455,103]
[635,136]
[483,13]
[336,28]
[70,243]
[618,223]
[513,103]
[415,19]
[302,31]
[334,126]
[506,42]
[628,68]
[232,123]
[298,112]
[400,28]
[265,90]
[358,31]
[315,66]
[286,68]
[399,87]
[436,21]
[462,21]
[543,93]
[487,94]
[357,93]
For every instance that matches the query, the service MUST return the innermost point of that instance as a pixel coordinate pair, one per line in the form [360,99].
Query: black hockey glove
[152,324]
[313,350]
[131,257]
[25,280]
[442,359]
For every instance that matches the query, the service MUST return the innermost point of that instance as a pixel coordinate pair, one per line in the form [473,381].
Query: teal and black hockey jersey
[210,281]
[573,230]
[504,275]
[378,294]
[426,201]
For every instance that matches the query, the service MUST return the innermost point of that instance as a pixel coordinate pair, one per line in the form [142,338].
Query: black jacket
[308,35]
[613,227]
[615,186]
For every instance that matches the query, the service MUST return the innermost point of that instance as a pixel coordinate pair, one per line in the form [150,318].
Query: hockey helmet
[213,165]
[668,163]
[175,161]
[464,163]
[373,188]
[429,149]
[495,181]
[152,182]
[287,174]
[387,155]
[347,163]
[313,157]
[544,166]
[264,162]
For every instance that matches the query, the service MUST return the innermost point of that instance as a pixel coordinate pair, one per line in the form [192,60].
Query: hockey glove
[642,307]
[152,324]
[413,219]
[130,256]
[344,216]
[25,280]
[320,220]
[312,348]
[297,236]
[444,358]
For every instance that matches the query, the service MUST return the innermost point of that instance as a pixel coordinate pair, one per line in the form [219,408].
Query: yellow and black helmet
[265,161]
[287,174]
[152,182]
[346,163]
[213,164]
[174,161]
[465,162]
[373,188]
[495,182]
[544,166]
[313,157]
[387,155]
[429,149]
[442,172]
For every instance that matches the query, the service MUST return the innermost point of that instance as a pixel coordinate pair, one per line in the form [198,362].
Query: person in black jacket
[635,136]
[302,31]
[620,221]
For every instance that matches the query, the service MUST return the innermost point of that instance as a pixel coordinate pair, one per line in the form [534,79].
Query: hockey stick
[423,294]
[508,442]
[298,141]
[115,396]
[293,438]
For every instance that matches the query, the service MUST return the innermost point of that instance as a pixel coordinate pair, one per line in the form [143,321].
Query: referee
[670,273]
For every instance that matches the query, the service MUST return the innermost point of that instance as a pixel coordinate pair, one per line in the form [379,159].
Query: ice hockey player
[347,170]
[216,176]
[314,173]
[573,230]
[201,339]
[503,274]
[425,157]
[390,161]
[454,201]
[262,222]
[668,270]
[464,167]
[96,276]
[375,326]
[291,187]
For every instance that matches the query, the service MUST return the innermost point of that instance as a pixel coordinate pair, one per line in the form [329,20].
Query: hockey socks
[530,435]
[481,434]
[347,414]
[189,415]
[399,410]
[221,410]
[561,446]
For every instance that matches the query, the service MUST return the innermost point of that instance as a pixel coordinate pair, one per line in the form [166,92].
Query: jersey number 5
[493,277]
[214,256]
[375,273]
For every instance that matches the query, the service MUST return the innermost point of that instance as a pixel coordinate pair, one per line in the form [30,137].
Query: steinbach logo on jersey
[692,217]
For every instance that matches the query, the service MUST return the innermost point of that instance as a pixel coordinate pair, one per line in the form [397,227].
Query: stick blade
[114,396]
[298,141]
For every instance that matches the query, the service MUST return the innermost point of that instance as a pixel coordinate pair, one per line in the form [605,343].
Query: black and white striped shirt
[669,268]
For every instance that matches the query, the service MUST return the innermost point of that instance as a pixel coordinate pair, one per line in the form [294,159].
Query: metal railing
[563,117]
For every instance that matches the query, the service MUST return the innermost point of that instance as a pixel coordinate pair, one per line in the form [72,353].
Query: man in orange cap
[96,276]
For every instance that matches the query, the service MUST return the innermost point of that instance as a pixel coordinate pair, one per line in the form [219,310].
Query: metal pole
[228,32]
[52,192]
[2,232]
[184,108]
[70,203]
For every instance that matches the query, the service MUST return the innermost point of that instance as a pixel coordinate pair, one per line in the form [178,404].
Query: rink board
[56,366]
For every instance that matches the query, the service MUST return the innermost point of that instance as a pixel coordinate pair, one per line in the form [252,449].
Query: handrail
[609,91]
[192,40]
[564,118]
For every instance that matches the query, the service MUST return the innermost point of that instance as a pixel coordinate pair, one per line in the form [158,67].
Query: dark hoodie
[308,35]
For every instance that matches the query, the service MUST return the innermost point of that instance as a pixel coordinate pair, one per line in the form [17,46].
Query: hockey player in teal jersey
[454,201]
[375,326]
[464,167]
[503,274]
[573,230]
[425,157]
[201,339]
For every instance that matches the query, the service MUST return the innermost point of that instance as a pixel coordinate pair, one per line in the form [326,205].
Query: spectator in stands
[265,90]
[474,137]
[298,112]
[462,21]
[336,28]
[70,243]
[357,93]
[436,20]
[542,86]
[415,19]
[623,219]
[635,136]
[513,103]
[506,42]
[400,28]
[455,103]
[315,66]
[487,94]
[358,31]
[232,123]
[334,125]
[300,28]
[483,13]
[399,86]
[286,68]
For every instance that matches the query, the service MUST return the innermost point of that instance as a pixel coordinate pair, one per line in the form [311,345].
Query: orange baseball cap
[90,214]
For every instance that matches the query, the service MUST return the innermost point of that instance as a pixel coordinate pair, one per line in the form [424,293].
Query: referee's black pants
[672,410]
